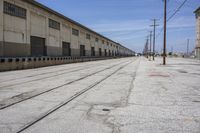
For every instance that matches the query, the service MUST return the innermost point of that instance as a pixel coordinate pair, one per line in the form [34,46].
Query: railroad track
[28,95]
[43,78]
[34,75]
[63,103]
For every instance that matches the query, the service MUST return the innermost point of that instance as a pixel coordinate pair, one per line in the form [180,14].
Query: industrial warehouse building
[28,28]
[197,49]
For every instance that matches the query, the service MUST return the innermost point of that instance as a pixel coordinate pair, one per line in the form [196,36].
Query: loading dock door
[82,50]
[105,52]
[92,51]
[100,52]
[38,46]
[66,49]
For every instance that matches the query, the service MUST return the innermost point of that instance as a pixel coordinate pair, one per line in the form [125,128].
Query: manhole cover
[106,109]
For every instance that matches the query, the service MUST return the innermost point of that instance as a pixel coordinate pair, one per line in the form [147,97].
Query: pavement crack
[132,83]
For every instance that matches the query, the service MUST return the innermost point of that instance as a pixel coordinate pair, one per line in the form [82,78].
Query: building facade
[197,49]
[28,28]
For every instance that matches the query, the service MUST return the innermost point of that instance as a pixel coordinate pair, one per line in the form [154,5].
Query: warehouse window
[75,32]
[14,10]
[54,24]
[88,36]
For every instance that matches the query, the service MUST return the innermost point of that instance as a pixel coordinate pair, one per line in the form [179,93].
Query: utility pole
[154,36]
[146,49]
[150,43]
[165,29]
[147,46]
[188,43]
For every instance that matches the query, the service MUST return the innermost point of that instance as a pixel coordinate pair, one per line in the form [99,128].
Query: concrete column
[60,39]
[75,43]
[28,32]
[1,28]
[47,35]
[70,40]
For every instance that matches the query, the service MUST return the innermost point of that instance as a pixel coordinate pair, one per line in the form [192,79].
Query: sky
[128,21]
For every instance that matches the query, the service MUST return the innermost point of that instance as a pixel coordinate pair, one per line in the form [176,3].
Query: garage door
[105,52]
[100,52]
[92,51]
[66,49]
[38,46]
[82,50]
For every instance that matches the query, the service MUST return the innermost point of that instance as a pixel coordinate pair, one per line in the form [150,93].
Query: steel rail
[26,96]
[43,78]
[34,75]
[69,100]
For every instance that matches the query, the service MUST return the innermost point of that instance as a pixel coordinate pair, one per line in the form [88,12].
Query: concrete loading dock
[7,64]
[28,28]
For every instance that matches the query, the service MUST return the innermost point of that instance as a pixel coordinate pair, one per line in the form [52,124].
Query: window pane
[54,24]
[87,36]
[14,10]
[75,32]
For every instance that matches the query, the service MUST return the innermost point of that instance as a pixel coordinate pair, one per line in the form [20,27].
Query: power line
[168,12]
[176,11]
[150,40]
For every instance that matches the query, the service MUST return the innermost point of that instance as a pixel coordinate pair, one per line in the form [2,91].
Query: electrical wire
[176,11]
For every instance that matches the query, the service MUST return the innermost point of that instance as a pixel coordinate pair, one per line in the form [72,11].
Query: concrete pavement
[138,96]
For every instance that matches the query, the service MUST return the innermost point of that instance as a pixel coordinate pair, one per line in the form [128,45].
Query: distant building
[197,50]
